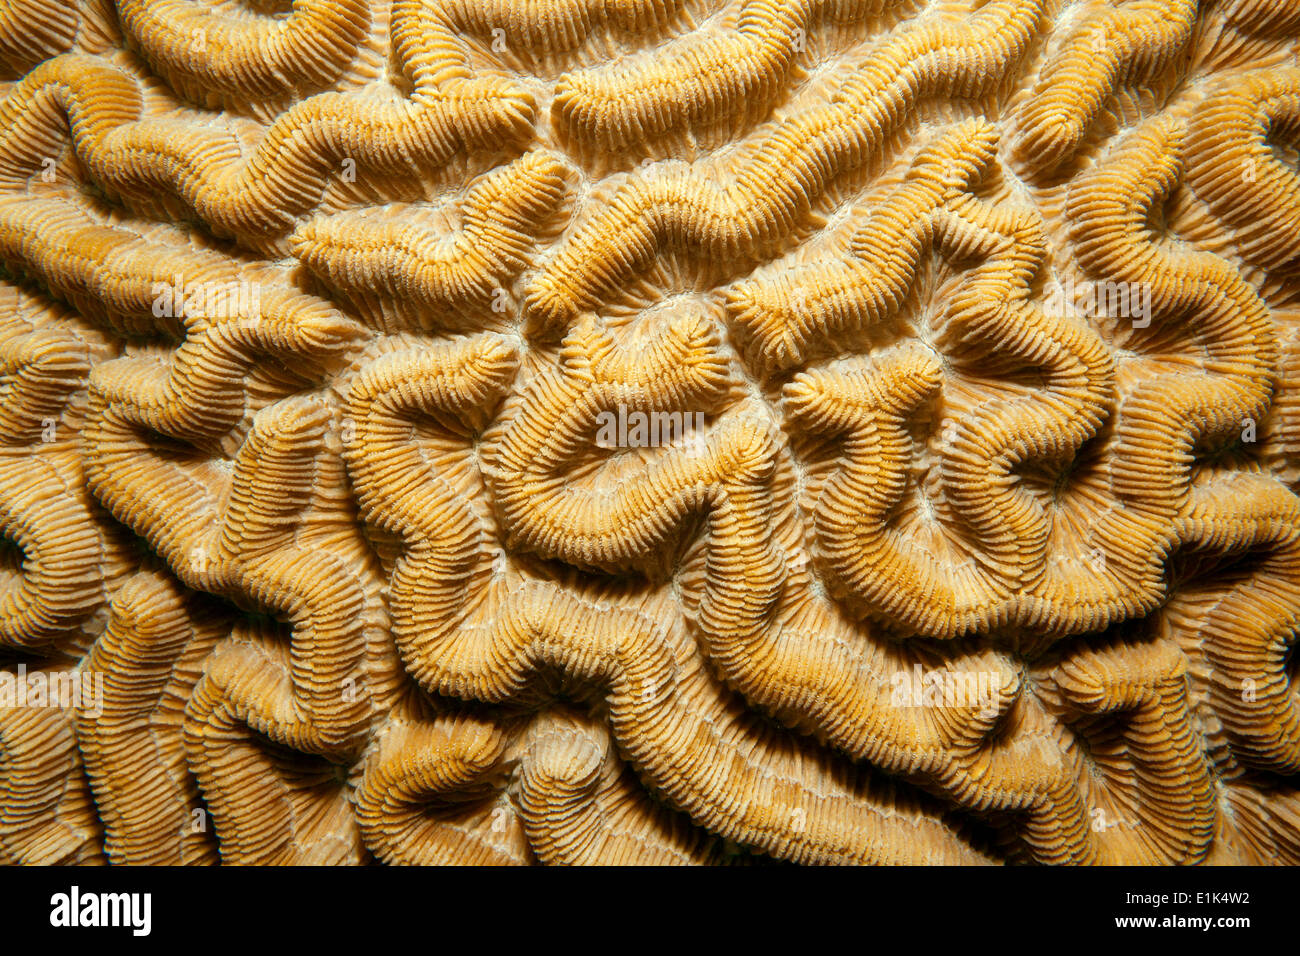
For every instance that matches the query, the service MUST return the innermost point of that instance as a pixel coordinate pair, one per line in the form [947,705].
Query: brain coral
[649,431]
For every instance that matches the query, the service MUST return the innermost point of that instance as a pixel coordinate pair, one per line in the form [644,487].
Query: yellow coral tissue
[649,431]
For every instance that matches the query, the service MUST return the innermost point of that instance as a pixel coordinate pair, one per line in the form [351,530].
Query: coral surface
[649,431]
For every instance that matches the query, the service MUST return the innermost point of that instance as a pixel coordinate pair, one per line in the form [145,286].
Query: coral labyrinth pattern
[649,431]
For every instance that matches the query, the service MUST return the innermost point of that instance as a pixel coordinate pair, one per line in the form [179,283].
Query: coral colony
[662,431]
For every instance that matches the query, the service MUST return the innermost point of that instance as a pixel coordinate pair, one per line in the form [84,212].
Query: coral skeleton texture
[951,515]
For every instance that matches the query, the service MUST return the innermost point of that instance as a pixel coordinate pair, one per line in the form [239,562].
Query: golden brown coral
[147,661]
[204,55]
[1232,166]
[32,30]
[258,196]
[556,25]
[1113,43]
[768,187]
[46,813]
[312,696]
[897,549]
[489,649]
[696,81]
[389,254]
[44,513]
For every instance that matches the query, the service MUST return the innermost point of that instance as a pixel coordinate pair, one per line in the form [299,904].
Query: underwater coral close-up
[617,432]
